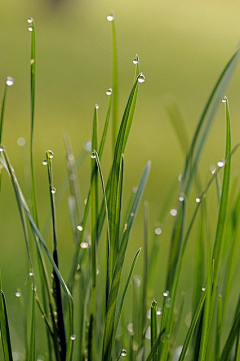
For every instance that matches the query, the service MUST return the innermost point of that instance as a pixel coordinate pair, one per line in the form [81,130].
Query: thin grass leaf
[32,346]
[58,319]
[233,334]
[219,326]
[105,129]
[124,293]
[115,80]
[145,274]
[114,288]
[154,328]
[155,347]
[4,327]
[2,109]
[192,327]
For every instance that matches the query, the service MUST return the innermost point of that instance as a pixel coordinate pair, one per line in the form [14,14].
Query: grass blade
[5,334]
[114,288]
[195,319]
[154,328]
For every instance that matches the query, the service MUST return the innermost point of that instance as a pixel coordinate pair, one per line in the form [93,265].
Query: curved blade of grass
[231,339]
[114,288]
[4,327]
[105,129]
[32,346]
[19,195]
[145,274]
[192,326]
[2,110]
[156,345]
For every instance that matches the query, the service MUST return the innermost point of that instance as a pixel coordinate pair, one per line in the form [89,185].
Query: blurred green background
[183,46]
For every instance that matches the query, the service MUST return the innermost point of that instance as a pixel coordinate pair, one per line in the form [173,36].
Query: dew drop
[136,60]
[31,274]
[180,177]
[96,106]
[212,169]
[158,231]
[72,177]
[30,20]
[88,146]
[132,214]
[137,281]
[181,198]
[80,227]
[204,288]
[159,311]
[1,148]
[125,227]
[53,190]
[141,78]
[110,17]
[166,294]
[73,337]
[9,81]
[84,245]
[224,99]
[32,61]
[30,28]
[198,200]
[50,154]
[93,155]
[123,352]
[221,163]
[44,162]
[109,91]
[85,201]
[18,294]
[148,333]
[130,328]
[21,141]
[173,212]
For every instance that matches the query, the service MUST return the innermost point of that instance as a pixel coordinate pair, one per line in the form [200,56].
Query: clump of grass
[100,306]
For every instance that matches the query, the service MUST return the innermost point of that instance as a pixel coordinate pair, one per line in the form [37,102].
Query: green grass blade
[155,347]
[205,120]
[5,334]
[2,110]
[32,346]
[124,293]
[59,319]
[145,273]
[154,328]
[114,288]
[111,18]
[192,327]
[231,339]
[105,129]
[219,326]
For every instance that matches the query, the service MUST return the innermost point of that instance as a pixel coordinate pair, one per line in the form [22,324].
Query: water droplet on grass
[198,200]
[80,227]
[181,198]
[30,28]
[110,17]
[96,106]
[84,245]
[9,81]
[44,162]
[93,155]
[224,99]
[159,311]
[141,78]
[136,60]
[173,212]
[30,20]
[158,231]
[109,91]
[53,190]
[130,328]
[31,274]
[137,281]
[72,177]
[123,352]
[73,337]
[32,61]
[166,294]
[21,141]
[18,294]
[1,148]
[50,154]
[221,163]
[204,288]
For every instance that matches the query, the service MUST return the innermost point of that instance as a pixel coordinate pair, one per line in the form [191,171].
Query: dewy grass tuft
[87,318]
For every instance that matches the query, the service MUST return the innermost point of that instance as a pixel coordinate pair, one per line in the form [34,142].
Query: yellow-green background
[183,46]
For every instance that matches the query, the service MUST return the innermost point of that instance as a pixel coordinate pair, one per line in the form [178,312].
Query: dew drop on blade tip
[30,28]
[136,60]
[109,91]
[224,99]
[110,17]
[96,106]
[9,81]
[30,20]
